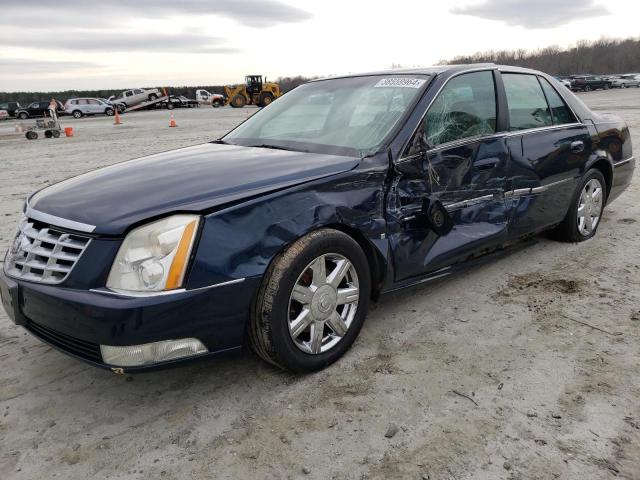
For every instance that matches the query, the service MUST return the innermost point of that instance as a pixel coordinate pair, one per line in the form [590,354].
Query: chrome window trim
[132,294]
[58,221]
[466,141]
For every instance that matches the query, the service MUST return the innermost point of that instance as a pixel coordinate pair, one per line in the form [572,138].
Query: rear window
[527,104]
[559,110]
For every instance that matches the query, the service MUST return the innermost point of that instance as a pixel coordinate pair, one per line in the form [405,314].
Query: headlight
[155,257]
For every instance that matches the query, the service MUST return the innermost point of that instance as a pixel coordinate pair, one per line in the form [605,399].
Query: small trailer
[50,127]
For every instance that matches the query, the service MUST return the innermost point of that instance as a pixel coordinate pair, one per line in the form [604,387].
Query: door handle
[577,147]
[486,163]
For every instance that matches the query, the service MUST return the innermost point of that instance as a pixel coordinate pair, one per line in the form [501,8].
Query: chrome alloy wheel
[323,303]
[590,207]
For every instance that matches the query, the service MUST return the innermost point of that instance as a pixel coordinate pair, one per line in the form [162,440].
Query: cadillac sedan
[279,234]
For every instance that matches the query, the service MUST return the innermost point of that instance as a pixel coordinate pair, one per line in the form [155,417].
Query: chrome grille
[40,253]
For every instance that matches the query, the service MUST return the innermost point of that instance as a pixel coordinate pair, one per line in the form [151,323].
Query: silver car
[79,107]
[626,81]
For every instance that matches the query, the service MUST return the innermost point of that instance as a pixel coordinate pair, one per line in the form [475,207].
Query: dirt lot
[490,375]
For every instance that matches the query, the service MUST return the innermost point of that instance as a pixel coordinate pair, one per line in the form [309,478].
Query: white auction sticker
[402,82]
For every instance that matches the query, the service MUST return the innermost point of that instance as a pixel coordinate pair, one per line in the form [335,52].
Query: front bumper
[77,322]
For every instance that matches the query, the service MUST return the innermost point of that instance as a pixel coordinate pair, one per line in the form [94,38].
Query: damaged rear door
[455,162]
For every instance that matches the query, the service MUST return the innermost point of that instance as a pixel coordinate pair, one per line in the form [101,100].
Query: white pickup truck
[208,98]
[129,98]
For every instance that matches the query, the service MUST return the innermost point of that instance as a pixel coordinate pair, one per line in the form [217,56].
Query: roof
[435,70]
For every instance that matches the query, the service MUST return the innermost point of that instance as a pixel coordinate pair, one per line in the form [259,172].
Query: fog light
[150,353]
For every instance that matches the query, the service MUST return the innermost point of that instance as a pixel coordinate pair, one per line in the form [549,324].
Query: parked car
[207,98]
[130,98]
[37,109]
[120,106]
[178,101]
[88,106]
[282,231]
[10,107]
[625,81]
[564,81]
[4,115]
[588,83]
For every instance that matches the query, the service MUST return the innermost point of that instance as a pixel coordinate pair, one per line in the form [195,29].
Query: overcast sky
[78,44]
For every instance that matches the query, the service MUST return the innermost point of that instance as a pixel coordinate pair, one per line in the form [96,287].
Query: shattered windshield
[346,116]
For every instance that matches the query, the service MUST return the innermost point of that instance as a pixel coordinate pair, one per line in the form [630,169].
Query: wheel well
[605,168]
[376,262]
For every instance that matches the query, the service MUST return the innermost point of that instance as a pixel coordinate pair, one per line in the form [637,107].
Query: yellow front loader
[253,92]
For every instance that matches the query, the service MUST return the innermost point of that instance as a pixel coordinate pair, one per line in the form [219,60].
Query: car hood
[189,179]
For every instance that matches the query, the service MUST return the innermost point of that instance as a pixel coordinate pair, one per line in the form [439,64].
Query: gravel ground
[525,368]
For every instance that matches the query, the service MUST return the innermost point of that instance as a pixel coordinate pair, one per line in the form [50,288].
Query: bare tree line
[25,98]
[604,56]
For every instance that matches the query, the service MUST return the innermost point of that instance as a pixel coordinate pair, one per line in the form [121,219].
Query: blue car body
[255,202]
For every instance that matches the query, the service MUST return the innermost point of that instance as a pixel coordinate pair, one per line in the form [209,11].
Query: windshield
[344,116]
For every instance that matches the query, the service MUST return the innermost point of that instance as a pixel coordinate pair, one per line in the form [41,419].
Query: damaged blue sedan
[279,234]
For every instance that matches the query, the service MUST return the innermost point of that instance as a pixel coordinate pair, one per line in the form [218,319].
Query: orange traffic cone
[117,120]
[172,121]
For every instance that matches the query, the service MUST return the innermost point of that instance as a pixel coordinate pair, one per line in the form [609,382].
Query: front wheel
[77,114]
[109,112]
[153,97]
[265,99]
[312,302]
[23,115]
[584,215]
[238,101]
[587,88]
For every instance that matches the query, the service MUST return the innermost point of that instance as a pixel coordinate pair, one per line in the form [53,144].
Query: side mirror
[413,162]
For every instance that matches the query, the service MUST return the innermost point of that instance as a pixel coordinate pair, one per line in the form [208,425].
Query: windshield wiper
[277,147]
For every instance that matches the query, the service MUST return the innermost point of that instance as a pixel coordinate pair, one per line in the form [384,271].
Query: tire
[121,107]
[587,88]
[55,133]
[216,104]
[270,332]
[48,134]
[109,112]
[31,135]
[570,229]
[238,101]
[23,116]
[606,87]
[77,114]
[170,106]
[265,99]
[152,97]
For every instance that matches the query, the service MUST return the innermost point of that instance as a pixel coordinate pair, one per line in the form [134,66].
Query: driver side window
[465,108]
